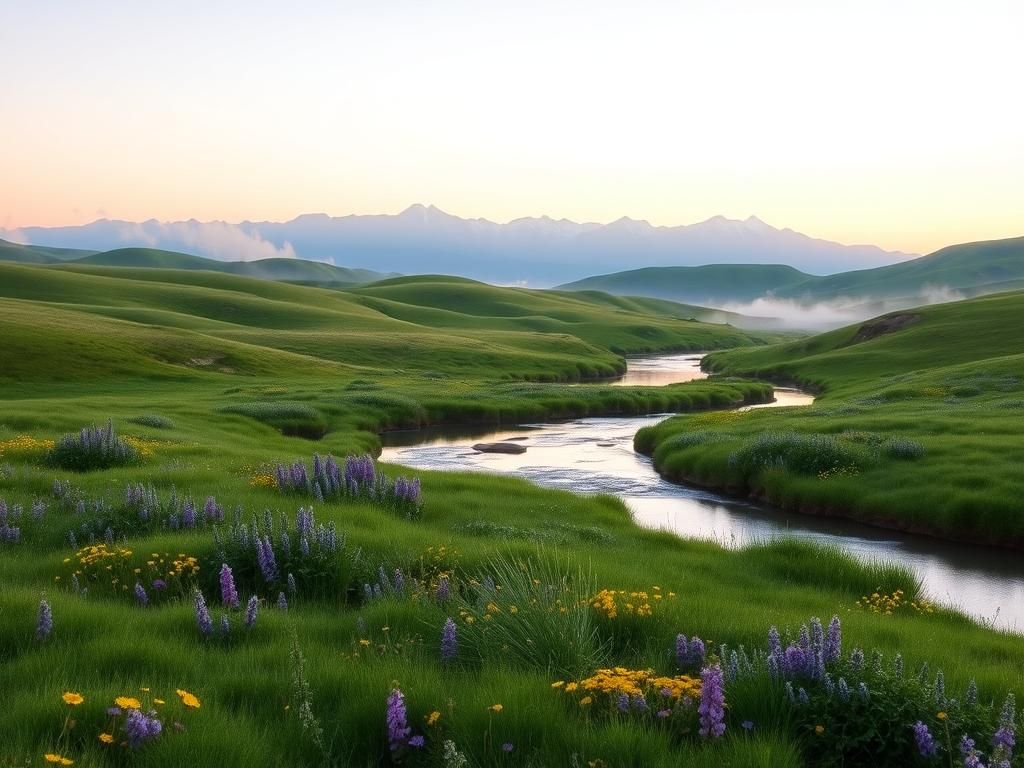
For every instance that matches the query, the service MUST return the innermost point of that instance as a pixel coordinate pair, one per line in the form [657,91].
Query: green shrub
[92,448]
[798,453]
[154,420]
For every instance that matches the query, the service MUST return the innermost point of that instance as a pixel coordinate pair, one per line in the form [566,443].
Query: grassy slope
[972,268]
[86,341]
[38,254]
[296,270]
[952,381]
[721,282]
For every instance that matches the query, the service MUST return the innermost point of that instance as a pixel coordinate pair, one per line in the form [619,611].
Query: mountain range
[423,239]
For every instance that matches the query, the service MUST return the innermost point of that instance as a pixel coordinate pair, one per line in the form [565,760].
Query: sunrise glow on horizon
[893,124]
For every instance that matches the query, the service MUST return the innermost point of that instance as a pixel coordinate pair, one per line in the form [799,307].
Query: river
[595,455]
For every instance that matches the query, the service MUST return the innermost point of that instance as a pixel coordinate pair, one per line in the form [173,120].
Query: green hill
[714,283]
[38,254]
[917,427]
[970,269]
[292,270]
[233,325]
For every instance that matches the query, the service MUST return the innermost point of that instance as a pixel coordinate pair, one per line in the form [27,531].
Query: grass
[95,344]
[916,426]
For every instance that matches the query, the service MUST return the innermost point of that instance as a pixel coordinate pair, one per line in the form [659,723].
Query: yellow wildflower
[72,698]
[188,699]
[942,715]
[107,738]
[128,702]
[819,729]
[496,708]
[433,717]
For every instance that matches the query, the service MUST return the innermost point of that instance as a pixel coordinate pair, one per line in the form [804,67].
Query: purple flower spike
[449,641]
[397,721]
[203,620]
[140,595]
[925,742]
[250,612]
[712,703]
[44,621]
[228,593]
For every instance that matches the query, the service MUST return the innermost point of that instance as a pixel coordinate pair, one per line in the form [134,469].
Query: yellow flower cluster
[263,480]
[183,566]
[611,603]
[632,683]
[24,446]
[888,604]
[101,555]
[142,445]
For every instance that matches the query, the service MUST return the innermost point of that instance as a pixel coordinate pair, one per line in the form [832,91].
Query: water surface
[595,455]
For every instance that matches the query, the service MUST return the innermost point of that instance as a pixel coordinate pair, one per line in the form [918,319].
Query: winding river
[595,455]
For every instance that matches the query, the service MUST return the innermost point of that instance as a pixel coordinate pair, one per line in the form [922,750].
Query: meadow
[917,426]
[198,583]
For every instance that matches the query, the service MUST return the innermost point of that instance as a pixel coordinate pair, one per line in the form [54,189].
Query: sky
[894,123]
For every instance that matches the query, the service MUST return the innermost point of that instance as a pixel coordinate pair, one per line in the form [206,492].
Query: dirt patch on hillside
[883,325]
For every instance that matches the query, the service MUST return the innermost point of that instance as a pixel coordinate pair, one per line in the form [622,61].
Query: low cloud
[15,236]
[771,312]
[216,240]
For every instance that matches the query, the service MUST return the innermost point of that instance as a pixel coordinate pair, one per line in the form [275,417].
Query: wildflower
[925,742]
[44,621]
[282,602]
[188,699]
[449,641]
[507,747]
[228,592]
[941,715]
[106,738]
[432,718]
[585,701]
[558,684]
[292,586]
[203,620]
[127,702]
[495,708]
[114,711]
[748,725]
[51,757]
[140,594]
[833,641]
[443,591]
[140,728]
[622,702]
[712,702]
[663,713]
[225,625]
[417,741]
[397,720]
[819,729]
[250,612]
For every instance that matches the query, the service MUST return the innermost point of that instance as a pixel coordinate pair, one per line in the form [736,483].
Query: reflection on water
[662,370]
[596,455]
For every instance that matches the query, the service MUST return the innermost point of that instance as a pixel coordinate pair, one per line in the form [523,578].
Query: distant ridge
[969,269]
[539,251]
[290,270]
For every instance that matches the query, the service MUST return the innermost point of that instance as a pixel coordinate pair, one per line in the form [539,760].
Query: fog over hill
[423,239]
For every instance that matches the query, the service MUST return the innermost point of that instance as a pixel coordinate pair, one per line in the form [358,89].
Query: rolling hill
[194,322]
[968,269]
[275,268]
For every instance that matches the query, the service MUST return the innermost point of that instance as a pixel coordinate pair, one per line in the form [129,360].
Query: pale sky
[899,123]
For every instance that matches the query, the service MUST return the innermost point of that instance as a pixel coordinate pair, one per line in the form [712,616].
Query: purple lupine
[843,688]
[508,746]
[399,580]
[712,702]
[449,641]
[682,651]
[304,546]
[292,586]
[1004,740]
[304,521]
[622,702]
[443,591]
[213,511]
[697,651]
[857,660]
[188,514]
[833,641]
[140,728]
[265,558]
[926,745]
[817,635]
[228,592]
[250,611]
[159,584]
[44,620]
[282,602]
[140,594]
[203,620]
[225,625]
[397,721]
